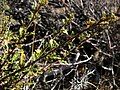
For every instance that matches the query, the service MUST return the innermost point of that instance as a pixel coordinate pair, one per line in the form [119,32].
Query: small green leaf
[53,43]
[38,53]
[15,56]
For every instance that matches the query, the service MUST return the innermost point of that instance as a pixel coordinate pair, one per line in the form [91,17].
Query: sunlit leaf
[51,42]
[22,57]
[64,31]
[43,2]
[38,53]
[21,31]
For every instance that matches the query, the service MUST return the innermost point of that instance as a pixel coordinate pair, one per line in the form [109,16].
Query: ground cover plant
[60,44]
